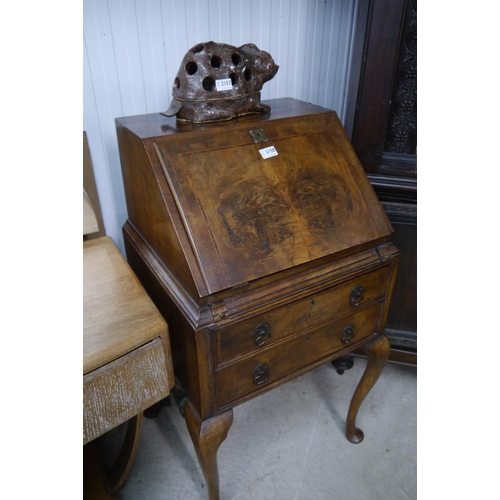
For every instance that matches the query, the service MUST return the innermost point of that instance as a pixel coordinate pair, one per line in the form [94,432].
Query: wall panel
[133,48]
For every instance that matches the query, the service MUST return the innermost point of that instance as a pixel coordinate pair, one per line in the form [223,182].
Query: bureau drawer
[252,373]
[242,338]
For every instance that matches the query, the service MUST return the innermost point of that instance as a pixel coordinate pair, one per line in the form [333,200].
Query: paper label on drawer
[225,84]
[268,152]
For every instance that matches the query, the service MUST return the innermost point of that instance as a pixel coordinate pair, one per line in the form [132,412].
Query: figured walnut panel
[308,202]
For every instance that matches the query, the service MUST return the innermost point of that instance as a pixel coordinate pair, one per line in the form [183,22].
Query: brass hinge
[219,311]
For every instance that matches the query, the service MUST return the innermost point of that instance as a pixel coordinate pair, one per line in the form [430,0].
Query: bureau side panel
[390,288]
[146,207]
[189,338]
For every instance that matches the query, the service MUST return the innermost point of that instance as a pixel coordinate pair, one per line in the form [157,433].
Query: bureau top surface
[158,125]
[118,315]
[246,215]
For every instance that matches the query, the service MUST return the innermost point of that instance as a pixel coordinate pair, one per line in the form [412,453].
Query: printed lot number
[268,152]
[225,84]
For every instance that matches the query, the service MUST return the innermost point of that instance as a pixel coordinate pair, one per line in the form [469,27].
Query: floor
[289,444]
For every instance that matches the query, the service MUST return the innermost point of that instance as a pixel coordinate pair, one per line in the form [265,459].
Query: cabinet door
[384,137]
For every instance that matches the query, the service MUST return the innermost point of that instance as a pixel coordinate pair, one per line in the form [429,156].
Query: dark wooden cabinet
[264,266]
[384,137]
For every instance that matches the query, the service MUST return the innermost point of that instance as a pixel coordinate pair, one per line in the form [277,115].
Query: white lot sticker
[224,84]
[268,152]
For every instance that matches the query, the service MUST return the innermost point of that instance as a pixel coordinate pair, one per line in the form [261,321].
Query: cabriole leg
[207,436]
[378,353]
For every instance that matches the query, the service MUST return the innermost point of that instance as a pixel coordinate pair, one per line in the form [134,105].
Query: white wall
[133,49]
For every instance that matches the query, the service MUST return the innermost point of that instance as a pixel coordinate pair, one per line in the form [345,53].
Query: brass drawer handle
[262,334]
[347,334]
[356,296]
[260,374]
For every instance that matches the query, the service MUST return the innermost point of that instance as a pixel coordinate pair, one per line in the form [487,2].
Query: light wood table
[127,364]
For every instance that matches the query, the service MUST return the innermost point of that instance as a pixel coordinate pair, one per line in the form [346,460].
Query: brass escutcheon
[258,135]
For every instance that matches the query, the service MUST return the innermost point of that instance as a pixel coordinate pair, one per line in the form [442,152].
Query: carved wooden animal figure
[218,82]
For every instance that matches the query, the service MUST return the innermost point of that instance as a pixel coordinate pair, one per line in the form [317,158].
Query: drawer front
[242,338]
[116,392]
[249,375]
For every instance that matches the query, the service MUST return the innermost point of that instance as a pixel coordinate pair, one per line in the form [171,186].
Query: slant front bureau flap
[248,216]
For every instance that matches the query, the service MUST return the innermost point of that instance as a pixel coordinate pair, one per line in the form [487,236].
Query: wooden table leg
[378,353]
[207,436]
[121,469]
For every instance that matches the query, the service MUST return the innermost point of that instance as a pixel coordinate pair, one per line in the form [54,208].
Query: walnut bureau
[265,266]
